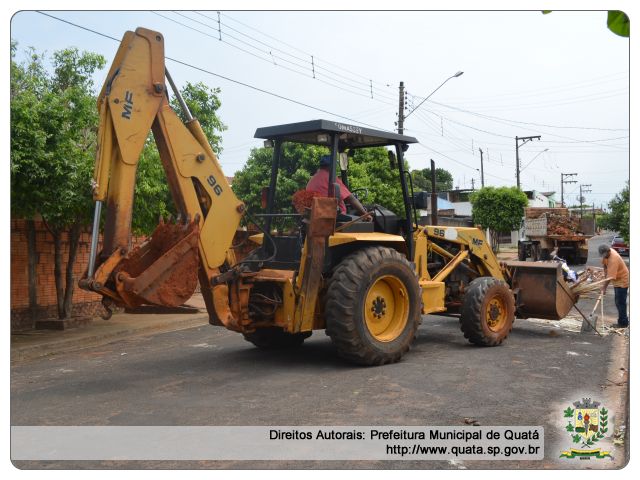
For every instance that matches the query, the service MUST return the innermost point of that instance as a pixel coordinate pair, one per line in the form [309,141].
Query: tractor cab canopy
[339,138]
[326,132]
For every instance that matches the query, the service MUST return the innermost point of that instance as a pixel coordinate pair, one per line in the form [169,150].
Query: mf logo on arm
[128,105]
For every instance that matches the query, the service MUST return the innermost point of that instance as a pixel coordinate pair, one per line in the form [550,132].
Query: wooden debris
[562,225]
[302,200]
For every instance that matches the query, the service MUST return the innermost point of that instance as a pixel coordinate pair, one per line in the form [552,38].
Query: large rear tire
[488,311]
[373,306]
[275,338]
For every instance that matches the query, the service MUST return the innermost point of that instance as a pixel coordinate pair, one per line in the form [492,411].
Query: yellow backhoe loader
[367,283]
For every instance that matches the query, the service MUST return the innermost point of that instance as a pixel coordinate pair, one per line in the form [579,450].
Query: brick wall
[85,303]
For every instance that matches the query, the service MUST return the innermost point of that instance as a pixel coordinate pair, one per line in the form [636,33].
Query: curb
[32,352]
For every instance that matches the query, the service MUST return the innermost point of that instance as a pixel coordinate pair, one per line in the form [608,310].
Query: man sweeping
[616,271]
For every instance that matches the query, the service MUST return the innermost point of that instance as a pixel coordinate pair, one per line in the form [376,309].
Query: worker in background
[319,183]
[616,270]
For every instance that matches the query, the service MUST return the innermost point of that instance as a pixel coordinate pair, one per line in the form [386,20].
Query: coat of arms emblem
[587,424]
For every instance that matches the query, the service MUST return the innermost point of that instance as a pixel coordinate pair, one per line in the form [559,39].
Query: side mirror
[344,161]
[264,197]
[421,200]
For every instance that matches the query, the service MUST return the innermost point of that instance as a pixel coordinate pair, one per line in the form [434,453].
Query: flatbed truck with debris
[555,230]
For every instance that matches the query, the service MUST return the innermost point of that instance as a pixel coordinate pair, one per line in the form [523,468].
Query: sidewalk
[40,343]
[507,254]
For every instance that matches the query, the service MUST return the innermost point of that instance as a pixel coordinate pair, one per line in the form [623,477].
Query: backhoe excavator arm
[164,270]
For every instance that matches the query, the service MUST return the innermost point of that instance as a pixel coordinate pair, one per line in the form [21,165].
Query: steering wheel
[355,193]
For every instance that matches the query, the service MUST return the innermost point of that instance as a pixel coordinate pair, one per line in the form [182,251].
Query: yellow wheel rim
[386,308]
[496,314]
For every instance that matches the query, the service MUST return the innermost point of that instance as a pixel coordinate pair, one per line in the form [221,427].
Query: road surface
[210,376]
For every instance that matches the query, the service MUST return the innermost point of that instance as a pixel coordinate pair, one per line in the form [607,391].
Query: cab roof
[351,136]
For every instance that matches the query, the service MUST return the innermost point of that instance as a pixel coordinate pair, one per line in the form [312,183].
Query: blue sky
[525,74]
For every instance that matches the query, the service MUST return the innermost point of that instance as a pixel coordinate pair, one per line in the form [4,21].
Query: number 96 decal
[211,180]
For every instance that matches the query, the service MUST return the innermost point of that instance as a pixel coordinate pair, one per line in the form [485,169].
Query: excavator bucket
[540,289]
[163,270]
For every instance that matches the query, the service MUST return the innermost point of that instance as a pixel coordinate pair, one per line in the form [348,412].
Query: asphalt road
[209,376]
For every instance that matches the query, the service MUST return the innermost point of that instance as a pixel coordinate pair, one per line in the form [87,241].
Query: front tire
[373,306]
[488,311]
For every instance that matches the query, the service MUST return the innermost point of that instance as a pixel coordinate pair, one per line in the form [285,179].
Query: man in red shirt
[319,183]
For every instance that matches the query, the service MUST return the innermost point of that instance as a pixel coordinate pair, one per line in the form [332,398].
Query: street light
[457,74]
[530,161]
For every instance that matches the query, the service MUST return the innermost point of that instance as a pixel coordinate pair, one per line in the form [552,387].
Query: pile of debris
[562,225]
[302,200]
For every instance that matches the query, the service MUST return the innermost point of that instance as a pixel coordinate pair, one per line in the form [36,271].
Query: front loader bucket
[540,289]
[163,270]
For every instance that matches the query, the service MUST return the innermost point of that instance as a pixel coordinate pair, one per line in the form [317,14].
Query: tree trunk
[57,271]
[495,245]
[32,258]
[74,238]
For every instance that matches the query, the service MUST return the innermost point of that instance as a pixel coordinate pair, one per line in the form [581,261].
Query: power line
[553,89]
[575,140]
[365,85]
[355,83]
[592,97]
[209,72]
[271,58]
[384,84]
[491,117]
[460,163]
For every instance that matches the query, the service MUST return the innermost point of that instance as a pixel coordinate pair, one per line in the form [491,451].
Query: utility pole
[434,195]
[583,189]
[563,181]
[473,183]
[401,110]
[481,169]
[524,140]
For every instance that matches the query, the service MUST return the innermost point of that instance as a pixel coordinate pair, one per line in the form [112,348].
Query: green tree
[53,128]
[422,180]
[27,146]
[204,103]
[298,163]
[618,217]
[499,209]
[368,169]
[617,21]
[53,140]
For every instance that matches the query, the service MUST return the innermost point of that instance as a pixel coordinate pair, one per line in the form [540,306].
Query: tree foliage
[501,209]
[422,180]
[54,123]
[617,21]
[618,217]
[204,103]
[53,137]
[368,169]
